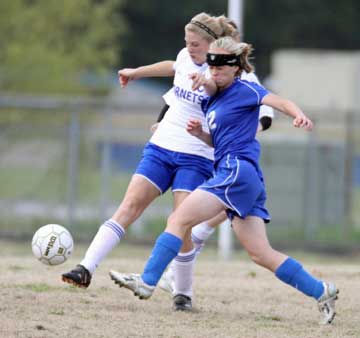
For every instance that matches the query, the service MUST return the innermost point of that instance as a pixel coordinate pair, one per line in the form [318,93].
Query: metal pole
[236,13]
[74,142]
[311,187]
[225,239]
[105,166]
[349,160]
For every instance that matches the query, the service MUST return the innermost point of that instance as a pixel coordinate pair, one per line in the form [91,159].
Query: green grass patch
[17,268]
[37,287]
[57,312]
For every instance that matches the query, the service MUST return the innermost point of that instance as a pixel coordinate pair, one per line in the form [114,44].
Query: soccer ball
[52,244]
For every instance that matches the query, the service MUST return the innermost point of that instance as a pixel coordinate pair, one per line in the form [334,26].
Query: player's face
[222,75]
[197,47]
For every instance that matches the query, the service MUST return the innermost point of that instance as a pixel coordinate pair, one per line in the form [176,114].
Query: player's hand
[154,127]
[302,121]
[125,75]
[194,127]
[198,80]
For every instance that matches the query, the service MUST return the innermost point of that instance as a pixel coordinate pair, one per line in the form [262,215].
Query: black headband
[222,59]
[205,28]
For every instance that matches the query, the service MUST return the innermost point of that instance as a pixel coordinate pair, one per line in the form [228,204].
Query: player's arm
[194,127]
[289,108]
[159,69]
[264,123]
[162,113]
[266,114]
[199,80]
[160,117]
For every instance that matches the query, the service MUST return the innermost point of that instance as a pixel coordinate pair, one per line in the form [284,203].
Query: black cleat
[80,277]
[182,303]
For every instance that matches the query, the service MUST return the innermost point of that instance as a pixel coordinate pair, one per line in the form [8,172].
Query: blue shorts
[180,171]
[239,186]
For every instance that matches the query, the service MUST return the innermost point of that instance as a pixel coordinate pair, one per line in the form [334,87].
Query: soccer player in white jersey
[173,158]
[237,185]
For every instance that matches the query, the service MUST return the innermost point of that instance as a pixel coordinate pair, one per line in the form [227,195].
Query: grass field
[232,299]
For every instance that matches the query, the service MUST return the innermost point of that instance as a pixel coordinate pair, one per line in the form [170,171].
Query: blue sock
[166,248]
[291,272]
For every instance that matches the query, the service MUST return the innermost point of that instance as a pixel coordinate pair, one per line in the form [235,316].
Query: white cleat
[166,282]
[326,303]
[133,282]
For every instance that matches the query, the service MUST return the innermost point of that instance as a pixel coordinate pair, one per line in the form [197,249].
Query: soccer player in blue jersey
[237,185]
[178,278]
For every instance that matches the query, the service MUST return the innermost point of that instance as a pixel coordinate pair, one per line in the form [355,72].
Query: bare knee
[174,220]
[129,210]
[261,257]
[177,224]
[256,257]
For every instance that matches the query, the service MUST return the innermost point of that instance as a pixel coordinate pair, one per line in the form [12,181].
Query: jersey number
[211,119]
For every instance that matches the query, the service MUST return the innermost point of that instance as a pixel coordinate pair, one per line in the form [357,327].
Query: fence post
[225,242]
[105,165]
[74,142]
[311,189]
[349,160]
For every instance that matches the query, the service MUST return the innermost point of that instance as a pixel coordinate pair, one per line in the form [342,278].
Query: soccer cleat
[132,282]
[166,282]
[182,303]
[326,303]
[80,277]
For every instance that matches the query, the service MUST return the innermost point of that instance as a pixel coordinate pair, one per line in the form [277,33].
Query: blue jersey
[232,116]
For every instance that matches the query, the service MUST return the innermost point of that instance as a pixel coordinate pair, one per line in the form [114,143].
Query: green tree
[45,46]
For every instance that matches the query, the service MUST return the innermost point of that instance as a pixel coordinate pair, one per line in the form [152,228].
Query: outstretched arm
[159,69]
[194,127]
[289,108]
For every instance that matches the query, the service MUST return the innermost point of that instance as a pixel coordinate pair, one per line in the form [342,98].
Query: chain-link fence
[69,162]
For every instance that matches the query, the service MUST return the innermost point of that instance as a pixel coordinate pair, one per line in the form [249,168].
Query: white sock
[169,274]
[182,267]
[199,235]
[107,237]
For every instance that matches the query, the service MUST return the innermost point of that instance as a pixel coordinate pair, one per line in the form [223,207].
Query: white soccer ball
[52,244]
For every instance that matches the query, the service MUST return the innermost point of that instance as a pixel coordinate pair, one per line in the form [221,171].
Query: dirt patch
[234,299]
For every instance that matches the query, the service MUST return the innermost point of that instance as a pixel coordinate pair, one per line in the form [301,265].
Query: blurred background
[71,138]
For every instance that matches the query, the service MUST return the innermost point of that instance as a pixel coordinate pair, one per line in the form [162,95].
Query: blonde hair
[210,27]
[230,28]
[238,48]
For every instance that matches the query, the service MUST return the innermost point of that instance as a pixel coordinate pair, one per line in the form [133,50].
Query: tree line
[50,46]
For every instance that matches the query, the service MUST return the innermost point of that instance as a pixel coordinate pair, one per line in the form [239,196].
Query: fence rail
[69,161]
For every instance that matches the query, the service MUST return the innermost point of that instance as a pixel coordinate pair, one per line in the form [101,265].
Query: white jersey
[185,104]
[169,96]
[251,77]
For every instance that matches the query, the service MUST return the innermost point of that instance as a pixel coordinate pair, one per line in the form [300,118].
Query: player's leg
[251,233]
[151,178]
[191,172]
[181,267]
[197,207]
[139,195]
[199,235]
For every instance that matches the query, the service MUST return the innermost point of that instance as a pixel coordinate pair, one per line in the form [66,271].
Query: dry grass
[234,299]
